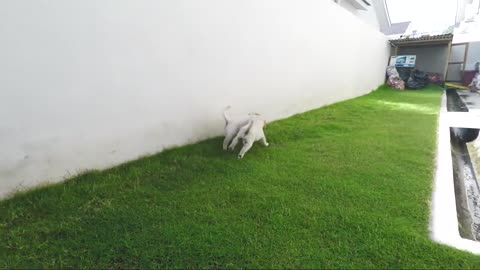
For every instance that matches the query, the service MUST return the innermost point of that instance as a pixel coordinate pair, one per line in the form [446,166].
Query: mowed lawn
[344,186]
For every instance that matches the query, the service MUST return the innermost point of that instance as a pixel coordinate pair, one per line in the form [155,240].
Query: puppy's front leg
[245,148]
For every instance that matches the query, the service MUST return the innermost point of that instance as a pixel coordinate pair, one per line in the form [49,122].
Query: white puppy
[250,133]
[232,126]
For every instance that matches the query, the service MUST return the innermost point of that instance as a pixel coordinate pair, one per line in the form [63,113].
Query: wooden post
[449,51]
[465,57]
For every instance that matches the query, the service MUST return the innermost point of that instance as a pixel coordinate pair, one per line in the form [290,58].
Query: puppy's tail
[225,115]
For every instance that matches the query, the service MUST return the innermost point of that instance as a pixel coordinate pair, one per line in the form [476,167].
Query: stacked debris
[402,78]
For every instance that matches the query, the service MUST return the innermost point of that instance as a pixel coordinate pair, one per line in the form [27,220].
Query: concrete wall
[90,84]
[429,58]
[458,53]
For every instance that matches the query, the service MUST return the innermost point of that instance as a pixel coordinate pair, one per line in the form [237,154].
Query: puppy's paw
[267,144]
[240,156]
[232,147]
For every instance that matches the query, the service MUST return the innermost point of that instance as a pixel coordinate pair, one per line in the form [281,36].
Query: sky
[425,15]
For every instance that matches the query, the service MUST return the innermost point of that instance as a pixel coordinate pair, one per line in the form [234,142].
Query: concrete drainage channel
[456,196]
[465,174]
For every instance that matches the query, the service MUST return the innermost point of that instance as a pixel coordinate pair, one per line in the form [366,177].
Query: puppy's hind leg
[234,142]
[263,140]
[243,130]
[226,141]
[245,148]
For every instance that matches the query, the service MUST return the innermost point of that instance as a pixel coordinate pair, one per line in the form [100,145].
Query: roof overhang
[423,41]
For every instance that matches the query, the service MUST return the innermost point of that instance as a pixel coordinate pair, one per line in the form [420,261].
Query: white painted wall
[368,16]
[90,84]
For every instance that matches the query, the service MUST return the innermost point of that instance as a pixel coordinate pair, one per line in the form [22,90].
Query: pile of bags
[411,79]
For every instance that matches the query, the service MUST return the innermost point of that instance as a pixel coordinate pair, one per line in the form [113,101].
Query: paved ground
[470,119]
[472,100]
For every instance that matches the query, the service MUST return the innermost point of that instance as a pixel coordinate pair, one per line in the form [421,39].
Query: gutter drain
[467,189]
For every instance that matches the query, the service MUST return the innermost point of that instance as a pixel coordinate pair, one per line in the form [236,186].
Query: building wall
[473,55]
[90,84]
[429,58]
[455,71]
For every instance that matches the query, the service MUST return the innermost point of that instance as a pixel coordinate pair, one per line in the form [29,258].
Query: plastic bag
[419,75]
[435,78]
[392,71]
[404,73]
[396,82]
[417,80]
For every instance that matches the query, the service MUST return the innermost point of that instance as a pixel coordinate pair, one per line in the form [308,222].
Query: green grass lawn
[347,185]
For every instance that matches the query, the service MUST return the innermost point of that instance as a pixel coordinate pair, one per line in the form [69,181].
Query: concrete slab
[462,119]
